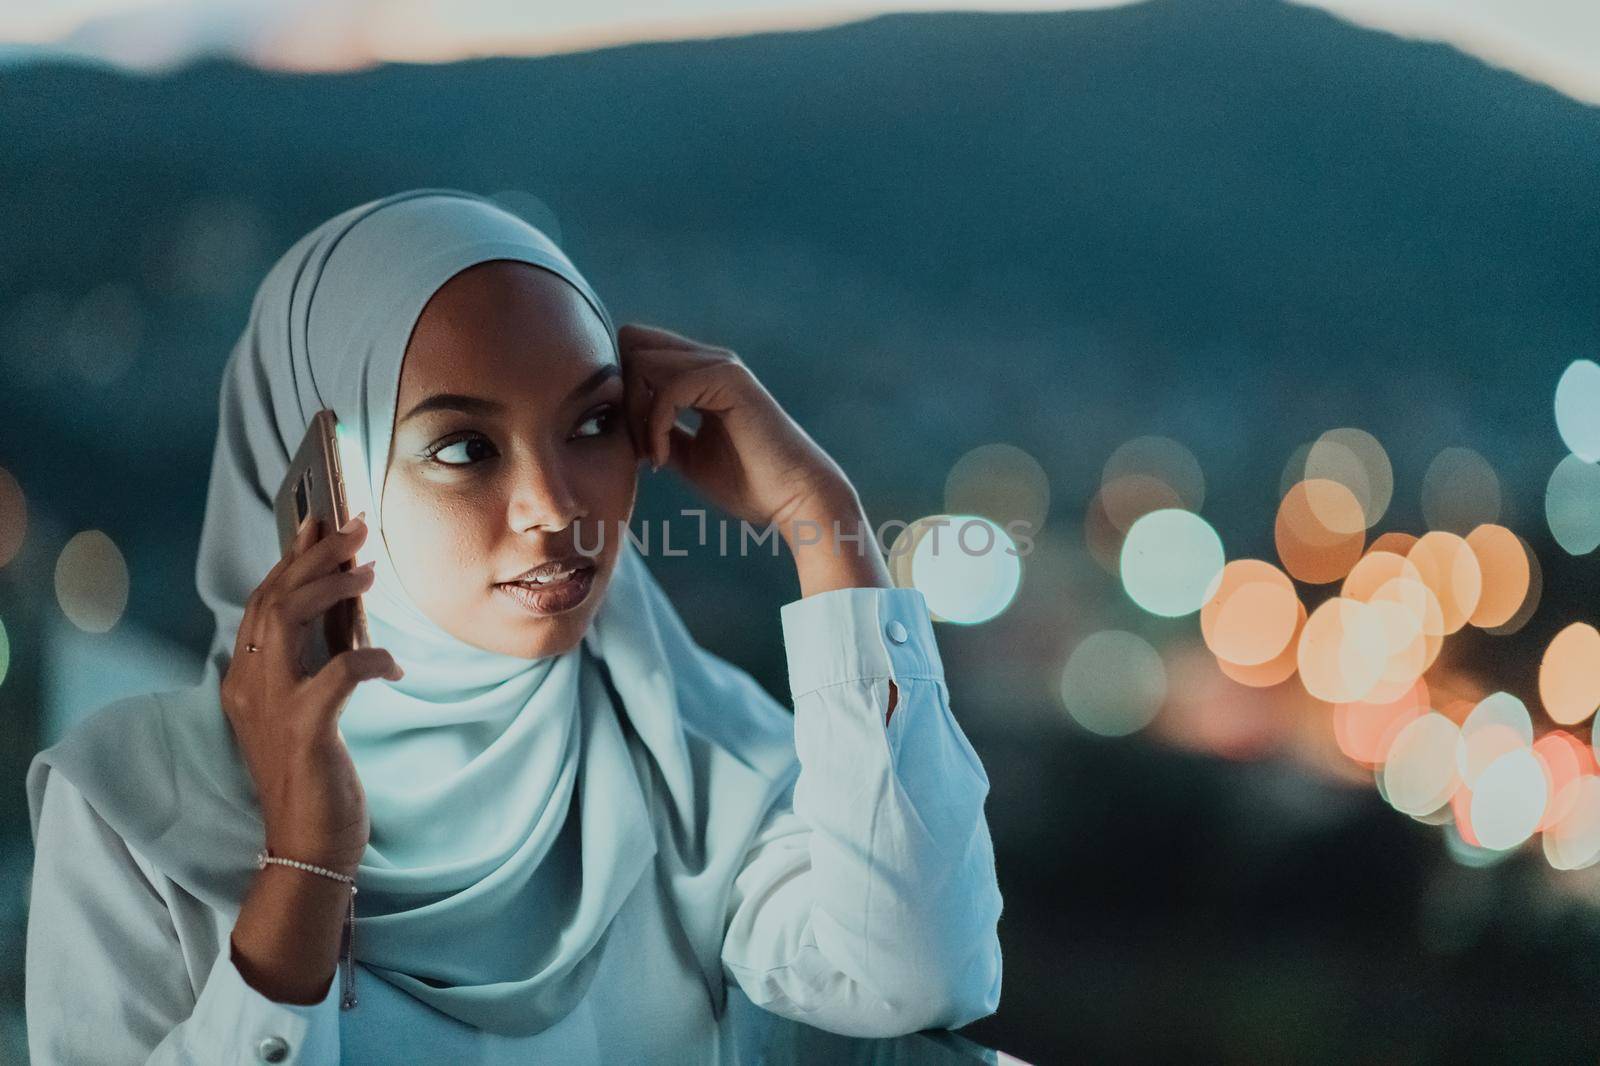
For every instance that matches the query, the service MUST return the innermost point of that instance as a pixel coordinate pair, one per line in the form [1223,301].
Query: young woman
[540,821]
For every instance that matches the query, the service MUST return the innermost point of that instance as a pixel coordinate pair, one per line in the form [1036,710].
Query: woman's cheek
[422,528]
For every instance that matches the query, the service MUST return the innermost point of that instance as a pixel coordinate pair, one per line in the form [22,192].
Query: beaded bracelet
[347,944]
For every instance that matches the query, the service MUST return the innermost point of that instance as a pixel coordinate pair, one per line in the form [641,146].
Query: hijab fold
[515,804]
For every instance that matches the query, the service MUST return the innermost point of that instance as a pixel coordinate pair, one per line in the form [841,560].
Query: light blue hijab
[515,804]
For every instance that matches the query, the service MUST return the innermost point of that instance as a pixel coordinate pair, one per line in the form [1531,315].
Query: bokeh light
[966,566]
[5,652]
[1160,459]
[1364,731]
[1450,570]
[1460,491]
[1320,530]
[1499,724]
[1128,498]
[1565,759]
[1572,505]
[1276,670]
[1503,564]
[100,338]
[1573,842]
[1508,799]
[1114,683]
[1569,674]
[1420,773]
[1375,570]
[1101,536]
[1530,602]
[1001,482]
[1355,459]
[91,581]
[1253,614]
[1342,651]
[1578,409]
[1395,542]
[1169,561]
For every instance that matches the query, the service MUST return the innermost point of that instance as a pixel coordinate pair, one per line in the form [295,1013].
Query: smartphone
[315,486]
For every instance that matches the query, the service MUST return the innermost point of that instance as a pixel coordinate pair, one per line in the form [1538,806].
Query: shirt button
[273,1049]
[897,632]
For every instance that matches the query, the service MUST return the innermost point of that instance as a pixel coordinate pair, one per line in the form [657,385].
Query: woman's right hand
[286,723]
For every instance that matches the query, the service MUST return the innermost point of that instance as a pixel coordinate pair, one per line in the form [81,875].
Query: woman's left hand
[748,456]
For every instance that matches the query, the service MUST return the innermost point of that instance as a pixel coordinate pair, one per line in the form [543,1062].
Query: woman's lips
[551,597]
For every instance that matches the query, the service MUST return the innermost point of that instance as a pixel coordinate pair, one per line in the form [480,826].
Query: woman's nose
[543,497]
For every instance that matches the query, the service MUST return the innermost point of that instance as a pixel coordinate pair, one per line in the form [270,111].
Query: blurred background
[1274,321]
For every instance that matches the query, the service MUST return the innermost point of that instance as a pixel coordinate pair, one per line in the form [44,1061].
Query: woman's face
[518,454]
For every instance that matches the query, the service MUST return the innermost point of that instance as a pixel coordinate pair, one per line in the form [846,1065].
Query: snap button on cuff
[273,1049]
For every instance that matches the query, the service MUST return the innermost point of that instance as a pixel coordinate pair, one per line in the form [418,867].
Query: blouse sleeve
[869,906]
[105,976]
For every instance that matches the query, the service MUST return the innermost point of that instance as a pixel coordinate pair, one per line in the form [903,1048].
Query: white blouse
[867,906]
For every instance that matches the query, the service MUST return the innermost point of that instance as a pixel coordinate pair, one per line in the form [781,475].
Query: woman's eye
[456,452]
[605,420]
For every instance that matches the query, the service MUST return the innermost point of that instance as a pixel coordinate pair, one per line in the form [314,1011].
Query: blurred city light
[91,581]
[1169,561]
[1569,674]
[1001,482]
[1114,683]
[1355,459]
[1578,409]
[966,566]
[1460,491]
[1572,505]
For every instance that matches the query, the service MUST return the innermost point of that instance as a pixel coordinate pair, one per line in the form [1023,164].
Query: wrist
[813,518]
[339,861]
[836,548]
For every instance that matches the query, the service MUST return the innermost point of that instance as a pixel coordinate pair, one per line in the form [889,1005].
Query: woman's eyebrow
[454,401]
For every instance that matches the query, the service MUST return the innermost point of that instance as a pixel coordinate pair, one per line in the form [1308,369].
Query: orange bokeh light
[1450,570]
[1276,670]
[1320,531]
[1569,674]
[1504,565]
[1565,759]
[1252,615]
[1365,730]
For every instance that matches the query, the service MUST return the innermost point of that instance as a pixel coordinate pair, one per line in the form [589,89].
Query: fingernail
[350,525]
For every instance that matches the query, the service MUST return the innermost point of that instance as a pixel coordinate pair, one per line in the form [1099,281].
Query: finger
[704,390]
[326,555]
[339,677]
[250,623]
[316,597]
[680,449]
[659,421]
[636,396]
[304,535]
